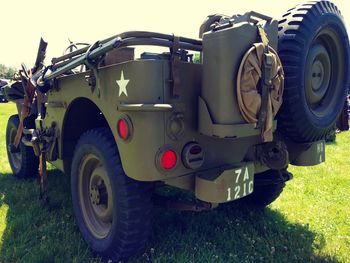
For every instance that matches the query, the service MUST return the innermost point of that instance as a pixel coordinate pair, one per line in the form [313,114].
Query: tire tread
[30,162]
[134,218]
[294,28]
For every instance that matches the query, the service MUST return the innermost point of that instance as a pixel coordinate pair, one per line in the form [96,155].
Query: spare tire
[314,49]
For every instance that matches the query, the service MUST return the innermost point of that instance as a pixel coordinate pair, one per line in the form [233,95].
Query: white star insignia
[122,83]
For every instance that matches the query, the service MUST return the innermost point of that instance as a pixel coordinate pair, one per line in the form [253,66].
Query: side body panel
[147,83]
[145,86]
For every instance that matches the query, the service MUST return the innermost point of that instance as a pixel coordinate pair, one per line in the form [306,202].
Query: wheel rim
[15,157]
[318,74]
[322,82]
[95,196]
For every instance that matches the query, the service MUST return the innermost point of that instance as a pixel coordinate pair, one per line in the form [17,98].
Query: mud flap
[313,155]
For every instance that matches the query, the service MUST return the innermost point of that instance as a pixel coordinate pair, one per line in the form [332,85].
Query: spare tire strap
[265,83]
[265,86]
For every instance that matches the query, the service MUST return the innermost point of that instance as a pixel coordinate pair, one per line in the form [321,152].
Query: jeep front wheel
[23,162]
[113,211]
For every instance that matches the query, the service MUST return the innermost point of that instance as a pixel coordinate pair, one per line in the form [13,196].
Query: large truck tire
[113,211]
[23,162]
[268,186]
[314,49]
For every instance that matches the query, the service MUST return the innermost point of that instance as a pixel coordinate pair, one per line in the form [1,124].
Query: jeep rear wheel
[314,50]
[113,211]
[268,186]
[23,162]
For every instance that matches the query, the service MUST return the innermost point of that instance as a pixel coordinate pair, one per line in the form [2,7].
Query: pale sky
[23,22]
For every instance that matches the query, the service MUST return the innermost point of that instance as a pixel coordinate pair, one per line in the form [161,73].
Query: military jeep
[221,116]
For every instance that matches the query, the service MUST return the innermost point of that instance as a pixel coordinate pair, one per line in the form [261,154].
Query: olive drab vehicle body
[222,116]
[140,92]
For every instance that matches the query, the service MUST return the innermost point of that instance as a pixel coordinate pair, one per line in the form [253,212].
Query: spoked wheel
[23,162]
[95,194]
[113,211]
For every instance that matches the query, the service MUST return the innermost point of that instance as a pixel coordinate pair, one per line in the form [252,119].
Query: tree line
[6,72]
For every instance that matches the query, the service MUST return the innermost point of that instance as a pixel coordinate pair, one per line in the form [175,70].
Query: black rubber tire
[268,186]
[132,204]
[28,165]
[311,35]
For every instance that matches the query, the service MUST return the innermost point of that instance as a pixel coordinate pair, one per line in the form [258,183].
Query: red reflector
[123,129]
[168,159]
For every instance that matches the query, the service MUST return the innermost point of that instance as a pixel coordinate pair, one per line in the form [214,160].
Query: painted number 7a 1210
[243,184]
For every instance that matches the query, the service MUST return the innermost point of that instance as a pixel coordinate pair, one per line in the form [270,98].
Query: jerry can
[223,49]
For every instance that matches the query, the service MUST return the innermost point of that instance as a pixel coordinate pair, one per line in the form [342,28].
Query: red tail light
[123,128]
[168,159]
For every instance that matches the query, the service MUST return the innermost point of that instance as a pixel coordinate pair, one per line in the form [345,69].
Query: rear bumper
[225,184]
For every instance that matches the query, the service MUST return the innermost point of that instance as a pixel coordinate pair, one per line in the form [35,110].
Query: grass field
[310,222]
